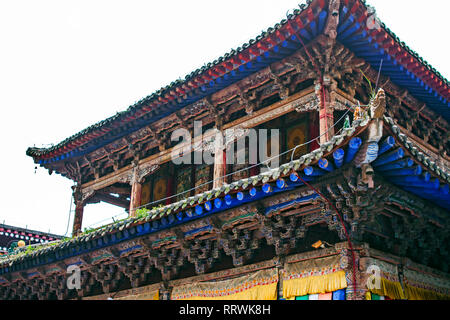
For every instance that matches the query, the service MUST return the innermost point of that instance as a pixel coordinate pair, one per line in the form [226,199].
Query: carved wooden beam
[120,202]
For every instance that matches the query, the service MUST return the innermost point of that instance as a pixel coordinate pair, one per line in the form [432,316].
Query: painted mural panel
[202,176]
[297,135]
[183,182]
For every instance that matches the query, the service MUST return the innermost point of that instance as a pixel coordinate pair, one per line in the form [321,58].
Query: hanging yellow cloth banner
[414,293]
[316,276]
[260,285]
[391,289]
[422,286]
[383,279]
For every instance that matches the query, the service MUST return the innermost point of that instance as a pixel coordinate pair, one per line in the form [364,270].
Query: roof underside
[404,67]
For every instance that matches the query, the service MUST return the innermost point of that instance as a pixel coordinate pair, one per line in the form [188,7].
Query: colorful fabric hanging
[260,285]
[322,275]
[392,289]
[336,295]
[376,297]
[339,295]
[313,297]
[326,296]
[414,293]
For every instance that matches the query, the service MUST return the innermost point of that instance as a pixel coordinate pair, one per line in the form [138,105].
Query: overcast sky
[65,65]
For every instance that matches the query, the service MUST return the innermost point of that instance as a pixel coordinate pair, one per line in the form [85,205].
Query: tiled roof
[197,79]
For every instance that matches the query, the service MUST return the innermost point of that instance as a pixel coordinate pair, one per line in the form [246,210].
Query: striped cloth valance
[259,285]
[421,286]
[318,276]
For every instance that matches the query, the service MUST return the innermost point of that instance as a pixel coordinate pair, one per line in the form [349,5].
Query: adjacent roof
[10,234]
[23,231]
[404,67]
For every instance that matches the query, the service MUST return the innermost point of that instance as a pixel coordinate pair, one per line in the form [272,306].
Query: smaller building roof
[10,234]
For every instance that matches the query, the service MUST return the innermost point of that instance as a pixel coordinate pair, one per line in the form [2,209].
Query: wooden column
[135,200]
[220,158]
[80,201]
[136,178]
[220,168]
[326,116]
[78,219]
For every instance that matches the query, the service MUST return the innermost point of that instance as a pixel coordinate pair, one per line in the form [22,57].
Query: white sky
[65,65]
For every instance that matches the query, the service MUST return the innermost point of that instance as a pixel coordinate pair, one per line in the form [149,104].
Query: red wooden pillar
[78,219]
[135,200]
[326,115]
[326,119]
[220,168]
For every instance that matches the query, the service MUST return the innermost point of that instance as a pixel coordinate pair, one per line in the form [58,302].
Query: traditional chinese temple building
[357,209]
